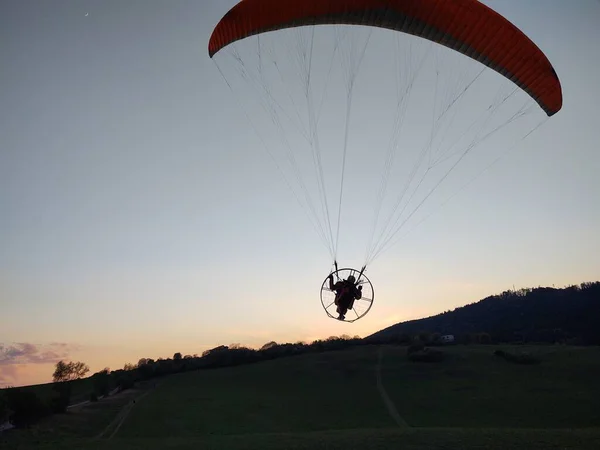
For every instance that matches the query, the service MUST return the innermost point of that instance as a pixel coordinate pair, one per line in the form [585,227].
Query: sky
[139,215]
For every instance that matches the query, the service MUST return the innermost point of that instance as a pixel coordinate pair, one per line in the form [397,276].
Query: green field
[472,388]
[471,400]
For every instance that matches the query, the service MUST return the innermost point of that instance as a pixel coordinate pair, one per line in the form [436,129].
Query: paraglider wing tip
[559,102]
[212,46]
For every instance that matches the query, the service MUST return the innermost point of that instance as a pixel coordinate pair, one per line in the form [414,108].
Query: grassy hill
[356,393]
[471,399]
[543,314]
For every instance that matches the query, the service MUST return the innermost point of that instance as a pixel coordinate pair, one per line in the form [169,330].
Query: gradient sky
[139,216]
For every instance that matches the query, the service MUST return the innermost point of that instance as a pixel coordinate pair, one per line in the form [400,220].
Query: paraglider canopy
[442,78]
[467,26]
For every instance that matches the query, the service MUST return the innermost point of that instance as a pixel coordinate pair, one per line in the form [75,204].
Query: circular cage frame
[327,300]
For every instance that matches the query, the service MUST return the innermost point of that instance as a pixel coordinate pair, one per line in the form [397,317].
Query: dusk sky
[139,215]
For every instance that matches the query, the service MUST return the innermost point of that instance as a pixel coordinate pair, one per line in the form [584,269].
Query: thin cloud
[27,353]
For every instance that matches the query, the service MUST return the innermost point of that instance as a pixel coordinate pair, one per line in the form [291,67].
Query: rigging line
[303,130]
[442,138]
[350,89]
[250,77]
[424,152]
[297,172]
[431,48]
[393,231]
[435,153]
[383,245]
[463,92]
[475,143]
[269,108]
[451,102]
[495,104]
[401,111]
[394,144]
[520,113]
[434,121]
[302,68]
[323,95]
[303,65]
[346,132]
[271,154]
[472,180]
[317,226]
[434,131]
[400,197]
[315,141]
[390,231]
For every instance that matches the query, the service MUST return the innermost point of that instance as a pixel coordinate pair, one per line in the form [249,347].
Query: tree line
[25,406]
[534,315]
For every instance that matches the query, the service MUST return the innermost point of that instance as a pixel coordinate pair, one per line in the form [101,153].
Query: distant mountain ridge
[543,314]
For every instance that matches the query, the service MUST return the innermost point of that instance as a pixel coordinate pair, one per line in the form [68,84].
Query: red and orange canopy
[466,26]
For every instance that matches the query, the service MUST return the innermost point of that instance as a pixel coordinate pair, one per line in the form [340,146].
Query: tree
[146,367]
[101,381]
[269,345]
[177,356]
[215,350]
[63,373]
[69,371]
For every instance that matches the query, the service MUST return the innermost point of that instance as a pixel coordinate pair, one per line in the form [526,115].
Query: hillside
[368,396]
[543,314]
[569,315]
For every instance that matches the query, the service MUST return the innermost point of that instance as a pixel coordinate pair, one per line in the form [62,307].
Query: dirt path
[113,427]
[389,404]
[76,405]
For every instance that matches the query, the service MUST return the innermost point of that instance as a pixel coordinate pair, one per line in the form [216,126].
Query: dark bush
[416,346]
[93,397]
[426,355]
[125,382]
[61,400]
[58,405]
[101,382]
[4,409]
[26,407]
